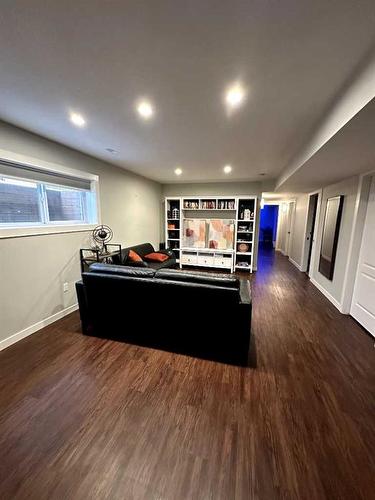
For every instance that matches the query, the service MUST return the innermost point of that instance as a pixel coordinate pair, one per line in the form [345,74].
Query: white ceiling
[98,58]
[350,152]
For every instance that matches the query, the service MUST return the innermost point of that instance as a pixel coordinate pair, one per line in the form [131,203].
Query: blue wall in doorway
[268,223]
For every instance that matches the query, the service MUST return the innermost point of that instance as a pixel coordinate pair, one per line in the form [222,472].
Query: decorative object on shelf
[102,235]
[191,204]
[175,213]
[243,247]
[247,214]
[243,264]
[171,226]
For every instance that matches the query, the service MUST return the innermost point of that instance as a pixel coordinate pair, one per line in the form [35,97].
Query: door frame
[356,240]
[319,192]
[290,234]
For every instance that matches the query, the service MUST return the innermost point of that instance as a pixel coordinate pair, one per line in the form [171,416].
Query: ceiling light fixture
[145,109]
[77,119]
[178,171]
[227,169]
[235,95]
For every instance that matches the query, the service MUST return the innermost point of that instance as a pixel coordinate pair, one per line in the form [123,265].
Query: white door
[289,226]
[363,303]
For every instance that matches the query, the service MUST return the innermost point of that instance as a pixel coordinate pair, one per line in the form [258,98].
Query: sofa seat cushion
[218,279]
[122,270]
[167,264]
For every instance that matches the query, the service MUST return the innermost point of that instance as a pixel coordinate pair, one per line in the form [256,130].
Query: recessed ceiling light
[178,171]
[77,119]
[145,109]
[227,169]
[235,95]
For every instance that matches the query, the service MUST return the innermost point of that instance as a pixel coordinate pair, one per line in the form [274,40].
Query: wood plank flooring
[87,418]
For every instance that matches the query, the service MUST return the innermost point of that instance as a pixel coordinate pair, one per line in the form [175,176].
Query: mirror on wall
[330,236]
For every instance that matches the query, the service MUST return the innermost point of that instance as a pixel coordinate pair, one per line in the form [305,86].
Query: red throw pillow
[156,257]
[134,257]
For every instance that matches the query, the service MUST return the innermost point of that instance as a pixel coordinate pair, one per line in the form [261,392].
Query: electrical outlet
[66,287]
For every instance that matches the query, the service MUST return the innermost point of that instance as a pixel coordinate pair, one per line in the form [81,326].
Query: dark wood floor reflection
[86,418]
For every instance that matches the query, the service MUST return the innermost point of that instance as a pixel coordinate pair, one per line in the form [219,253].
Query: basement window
[31,198]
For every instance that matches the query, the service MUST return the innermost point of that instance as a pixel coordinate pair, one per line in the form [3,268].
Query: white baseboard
[36,326]
[281,251]
[295,264]
[335,302]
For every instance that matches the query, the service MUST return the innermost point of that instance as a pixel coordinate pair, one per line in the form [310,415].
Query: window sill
[21,232]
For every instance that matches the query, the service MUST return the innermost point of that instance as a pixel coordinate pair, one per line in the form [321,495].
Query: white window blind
[33,197]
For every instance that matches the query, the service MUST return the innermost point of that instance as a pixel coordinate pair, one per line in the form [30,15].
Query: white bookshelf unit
[241,209]
[173,226]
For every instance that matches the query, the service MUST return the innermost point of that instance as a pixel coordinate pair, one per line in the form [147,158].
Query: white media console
[242,210]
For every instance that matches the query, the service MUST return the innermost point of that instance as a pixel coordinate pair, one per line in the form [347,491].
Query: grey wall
[33,269]
[213,188]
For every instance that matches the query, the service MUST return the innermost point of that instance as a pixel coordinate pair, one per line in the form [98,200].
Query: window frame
[45,226]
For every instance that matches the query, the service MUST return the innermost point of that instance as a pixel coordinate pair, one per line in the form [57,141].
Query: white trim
[36,326]
[314,249]
[39,164]
[304,255]
[295,264]
[21,232]
[292,205]
[281,251]
[321,289]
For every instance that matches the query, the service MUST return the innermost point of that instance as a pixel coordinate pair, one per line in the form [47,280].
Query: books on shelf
[208,204]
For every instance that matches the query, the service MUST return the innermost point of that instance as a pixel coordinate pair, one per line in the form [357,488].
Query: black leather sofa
[142,250]
[200,314]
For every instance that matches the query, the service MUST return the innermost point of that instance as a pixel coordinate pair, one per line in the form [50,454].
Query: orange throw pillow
[156,257]
[134,257]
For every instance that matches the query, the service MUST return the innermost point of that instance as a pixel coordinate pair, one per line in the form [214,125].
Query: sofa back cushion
[215,279]
[131,271]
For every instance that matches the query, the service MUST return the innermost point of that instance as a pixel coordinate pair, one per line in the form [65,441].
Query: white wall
[33,269]
[348,188]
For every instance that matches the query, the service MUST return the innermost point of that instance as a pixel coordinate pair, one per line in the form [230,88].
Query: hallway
[82,417]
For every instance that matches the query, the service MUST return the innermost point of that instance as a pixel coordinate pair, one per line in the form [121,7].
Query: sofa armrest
[244,316]
[83,307]
[167,251]
[245,292]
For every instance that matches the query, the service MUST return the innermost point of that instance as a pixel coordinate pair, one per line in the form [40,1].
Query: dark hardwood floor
[87,418]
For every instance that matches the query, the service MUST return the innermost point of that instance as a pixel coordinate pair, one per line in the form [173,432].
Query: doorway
[313,205]
[268,226]
[309,234]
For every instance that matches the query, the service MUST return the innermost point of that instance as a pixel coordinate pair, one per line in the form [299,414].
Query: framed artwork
[221,234]
[194,233]
[330,236]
